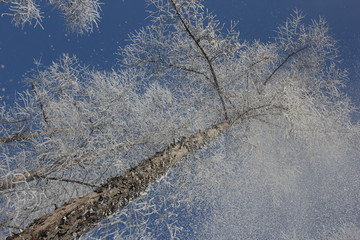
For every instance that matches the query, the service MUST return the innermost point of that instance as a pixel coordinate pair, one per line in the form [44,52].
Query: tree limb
[45,117]
[71,181]
[25,136]
[171,65]
[77,216]
[283,62]
[43,172]
[202,50]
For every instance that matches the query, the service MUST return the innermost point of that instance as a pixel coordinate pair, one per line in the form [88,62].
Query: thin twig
[71,181]
[45,117]
[177,67]
[283,62]
[26,136]
[16,121]
[11,226]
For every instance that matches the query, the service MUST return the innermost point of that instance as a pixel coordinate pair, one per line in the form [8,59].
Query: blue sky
[258,19]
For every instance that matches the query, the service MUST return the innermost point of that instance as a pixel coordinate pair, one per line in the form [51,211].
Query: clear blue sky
[257,20]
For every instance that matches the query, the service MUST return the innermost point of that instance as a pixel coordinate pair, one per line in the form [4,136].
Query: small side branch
[11,226]
[16,121]
[171,65]
[10,182]
[72,181]
[25,136]
[283,62]
[45,117]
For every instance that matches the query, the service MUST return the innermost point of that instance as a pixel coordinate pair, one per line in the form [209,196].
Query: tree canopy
[197,135]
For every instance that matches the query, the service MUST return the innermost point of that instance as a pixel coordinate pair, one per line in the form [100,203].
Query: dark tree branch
[10,226]
[25,136]
[177,67]
[202,50]
[43,172]
[42,107]
[16,121]
[71,181]
[283,62]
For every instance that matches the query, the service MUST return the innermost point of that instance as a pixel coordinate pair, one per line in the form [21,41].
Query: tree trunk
[77,216]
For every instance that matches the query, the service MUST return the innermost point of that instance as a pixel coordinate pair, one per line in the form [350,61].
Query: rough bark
[77,216]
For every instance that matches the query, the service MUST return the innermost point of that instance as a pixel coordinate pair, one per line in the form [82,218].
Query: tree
[81,15]
[264,128]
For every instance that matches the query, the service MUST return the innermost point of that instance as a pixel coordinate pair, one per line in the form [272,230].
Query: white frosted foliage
[81,15]
[286,168]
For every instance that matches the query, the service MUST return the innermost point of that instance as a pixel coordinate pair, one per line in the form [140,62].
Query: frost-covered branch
[185,26]
[283,62]
[24,12]
[75,217]
[205,55]
[81,15]
[25,136]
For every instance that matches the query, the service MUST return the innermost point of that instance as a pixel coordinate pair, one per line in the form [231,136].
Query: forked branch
[206,57]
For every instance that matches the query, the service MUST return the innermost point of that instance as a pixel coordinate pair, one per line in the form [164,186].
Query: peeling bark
[78,216]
